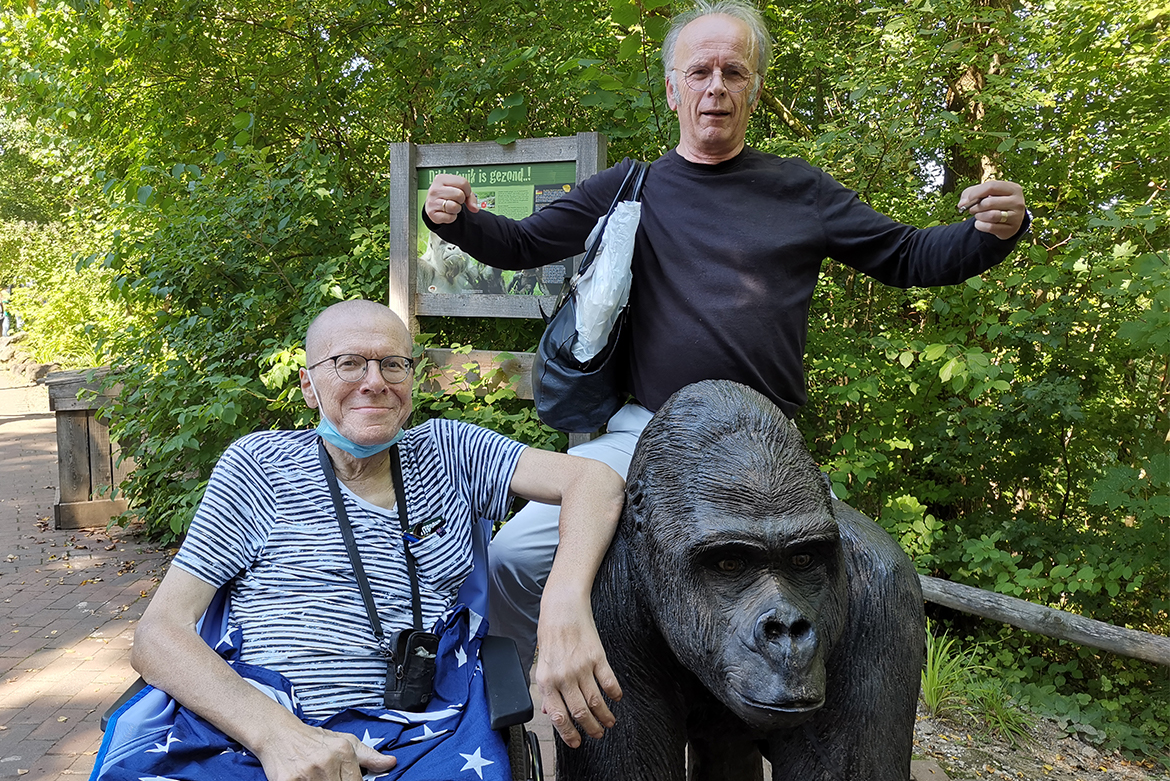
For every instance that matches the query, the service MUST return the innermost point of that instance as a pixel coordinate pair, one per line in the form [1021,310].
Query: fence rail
[1047,621]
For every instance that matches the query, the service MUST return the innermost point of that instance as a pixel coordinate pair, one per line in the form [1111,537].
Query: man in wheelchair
[306,683]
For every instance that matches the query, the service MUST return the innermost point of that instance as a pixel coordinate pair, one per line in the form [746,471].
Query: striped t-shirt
[267,516]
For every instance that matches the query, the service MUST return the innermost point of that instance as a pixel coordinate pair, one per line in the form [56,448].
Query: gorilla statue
[747,613]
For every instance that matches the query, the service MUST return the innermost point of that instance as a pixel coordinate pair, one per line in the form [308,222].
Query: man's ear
[671,98]
[307,390]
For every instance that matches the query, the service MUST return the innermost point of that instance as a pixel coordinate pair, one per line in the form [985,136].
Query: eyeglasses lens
[734,79]
[352,368]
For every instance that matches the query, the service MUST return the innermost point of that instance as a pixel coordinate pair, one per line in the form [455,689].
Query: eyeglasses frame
[366,368]
[711,78]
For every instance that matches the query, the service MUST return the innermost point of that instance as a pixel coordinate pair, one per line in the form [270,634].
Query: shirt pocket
[442,554]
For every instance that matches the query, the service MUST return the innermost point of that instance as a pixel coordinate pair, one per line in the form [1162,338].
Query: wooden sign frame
[586,150]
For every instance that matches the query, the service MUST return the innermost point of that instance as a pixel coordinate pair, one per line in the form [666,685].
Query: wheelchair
[509,701]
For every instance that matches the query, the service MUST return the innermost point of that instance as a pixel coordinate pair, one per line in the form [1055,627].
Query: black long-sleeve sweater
[726,260]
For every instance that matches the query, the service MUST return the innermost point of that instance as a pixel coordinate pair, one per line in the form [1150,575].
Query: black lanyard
[351,546]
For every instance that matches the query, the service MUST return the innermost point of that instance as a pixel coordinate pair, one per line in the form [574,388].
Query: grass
[998,715]
[952,681]
[947,674]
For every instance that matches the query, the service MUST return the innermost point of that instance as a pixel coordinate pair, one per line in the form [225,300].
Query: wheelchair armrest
[509,702]
[133,689]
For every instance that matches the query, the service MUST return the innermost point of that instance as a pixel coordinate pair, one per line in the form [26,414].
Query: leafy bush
[64,310]
[231,271]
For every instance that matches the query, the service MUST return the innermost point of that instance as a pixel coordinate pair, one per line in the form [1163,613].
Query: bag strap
[636,192]
[351,549]
[411,566]
[637,175]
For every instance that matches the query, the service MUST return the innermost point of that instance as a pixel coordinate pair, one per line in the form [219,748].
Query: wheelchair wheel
[534,753]
[524,754]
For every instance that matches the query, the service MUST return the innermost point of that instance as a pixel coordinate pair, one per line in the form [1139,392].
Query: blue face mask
[330,434]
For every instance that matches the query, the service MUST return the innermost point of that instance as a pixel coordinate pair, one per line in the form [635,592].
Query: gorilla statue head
[726,506]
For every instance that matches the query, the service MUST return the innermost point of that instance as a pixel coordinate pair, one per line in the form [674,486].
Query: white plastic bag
[604,288]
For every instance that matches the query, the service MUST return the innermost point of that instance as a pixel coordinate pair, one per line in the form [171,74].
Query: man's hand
[572,673]
[315,754]
[447,196]
[998,207]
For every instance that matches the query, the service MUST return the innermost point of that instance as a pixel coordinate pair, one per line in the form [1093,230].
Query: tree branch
[786,116]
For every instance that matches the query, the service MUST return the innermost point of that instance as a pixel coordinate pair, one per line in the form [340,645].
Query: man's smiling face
[712,121]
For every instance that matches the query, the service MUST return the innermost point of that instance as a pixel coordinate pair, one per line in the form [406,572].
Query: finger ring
[1003,216]
[445,202]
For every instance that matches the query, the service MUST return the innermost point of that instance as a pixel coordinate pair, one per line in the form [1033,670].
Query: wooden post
[403,232]
[87,460]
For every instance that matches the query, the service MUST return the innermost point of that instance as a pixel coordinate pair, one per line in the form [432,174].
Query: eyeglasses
[735,78]
[352,368]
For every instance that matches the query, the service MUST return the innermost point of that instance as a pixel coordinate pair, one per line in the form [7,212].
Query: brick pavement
[70,601]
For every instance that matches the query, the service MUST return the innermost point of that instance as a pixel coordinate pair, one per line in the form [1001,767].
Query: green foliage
[954,680]
[232,270]
[487,400]
[1010,432]
[63,309]
[997,714]
[1110,701]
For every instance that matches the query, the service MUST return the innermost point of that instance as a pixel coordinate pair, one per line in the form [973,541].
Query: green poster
[514,191]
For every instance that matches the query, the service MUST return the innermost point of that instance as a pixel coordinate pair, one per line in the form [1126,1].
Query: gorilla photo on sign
[746,612]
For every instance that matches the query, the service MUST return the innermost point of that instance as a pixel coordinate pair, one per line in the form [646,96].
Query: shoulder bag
[570,395]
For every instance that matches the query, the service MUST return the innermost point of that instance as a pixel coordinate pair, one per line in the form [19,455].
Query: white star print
[160,748]
[428,734]
[370,741]
[475,762]
[373,776]
[461,655]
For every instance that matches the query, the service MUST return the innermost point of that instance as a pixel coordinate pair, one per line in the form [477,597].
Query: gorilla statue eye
[801,560]
[730,566]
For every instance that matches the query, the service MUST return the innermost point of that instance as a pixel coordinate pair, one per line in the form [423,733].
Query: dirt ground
[964,753]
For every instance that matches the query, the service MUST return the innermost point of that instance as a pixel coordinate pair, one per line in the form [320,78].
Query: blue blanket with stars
[152,738]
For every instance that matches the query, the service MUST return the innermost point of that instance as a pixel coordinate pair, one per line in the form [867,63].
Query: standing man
[727,255]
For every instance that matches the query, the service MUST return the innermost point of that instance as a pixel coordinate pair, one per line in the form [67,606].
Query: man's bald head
[368,316]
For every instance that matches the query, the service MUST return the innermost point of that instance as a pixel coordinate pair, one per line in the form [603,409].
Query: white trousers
[521,554]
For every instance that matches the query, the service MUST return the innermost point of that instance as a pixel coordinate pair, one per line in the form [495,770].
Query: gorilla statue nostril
[798,632]
[770,628]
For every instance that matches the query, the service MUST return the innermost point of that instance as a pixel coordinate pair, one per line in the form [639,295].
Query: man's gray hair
[760,41]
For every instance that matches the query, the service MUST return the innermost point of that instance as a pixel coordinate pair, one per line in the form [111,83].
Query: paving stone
[926,770]
[12,736]
[28,756]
